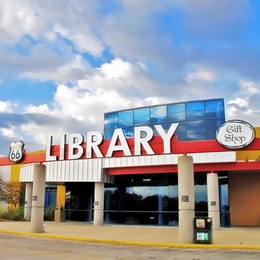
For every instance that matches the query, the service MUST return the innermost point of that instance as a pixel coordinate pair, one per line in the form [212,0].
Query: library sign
[235,134]
[143,136]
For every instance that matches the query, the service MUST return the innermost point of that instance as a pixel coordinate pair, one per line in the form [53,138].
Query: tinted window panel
[214,108]
[181,132]
[108,134]
[158,114]
[176,113]
[141,116]
[201,198]
[111,121]
[195,110]
[196,130]
[211,127]
[164,126]
[128,132]
[125,118]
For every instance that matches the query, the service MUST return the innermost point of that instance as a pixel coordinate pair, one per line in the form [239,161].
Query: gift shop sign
[235,134]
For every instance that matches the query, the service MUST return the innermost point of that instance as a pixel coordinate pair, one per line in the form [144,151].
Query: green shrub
[1,211]
[19,213]
[49,213]
[12,214]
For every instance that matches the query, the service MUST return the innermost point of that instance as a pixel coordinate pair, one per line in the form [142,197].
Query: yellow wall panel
[245,155]
[60,199]
[15,172]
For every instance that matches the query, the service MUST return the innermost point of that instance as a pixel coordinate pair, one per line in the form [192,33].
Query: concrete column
[28,201]
[39,176]
[99,204]
[213,199]
[186,199]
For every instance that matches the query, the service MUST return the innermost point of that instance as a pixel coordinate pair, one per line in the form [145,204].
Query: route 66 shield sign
[16,151]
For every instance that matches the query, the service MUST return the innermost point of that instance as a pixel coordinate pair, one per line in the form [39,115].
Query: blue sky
[64,63]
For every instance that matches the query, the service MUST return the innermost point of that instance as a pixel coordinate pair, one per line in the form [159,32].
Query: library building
[128,174]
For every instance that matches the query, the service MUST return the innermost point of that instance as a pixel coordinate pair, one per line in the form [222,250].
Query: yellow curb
[120,242]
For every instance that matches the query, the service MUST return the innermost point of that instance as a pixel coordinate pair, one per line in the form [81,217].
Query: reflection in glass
[214,108]
[176,112]
[201,194]
[79,203]
[128,132]
[195,110]
[111,121]
[143,199]
[224,201]
[125,118]
[211,127]
[141,116]
[188,114]
[158,114]
[181,131]
[108,134]
[196,130]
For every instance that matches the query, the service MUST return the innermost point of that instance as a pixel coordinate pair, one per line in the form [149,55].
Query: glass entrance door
[79,201]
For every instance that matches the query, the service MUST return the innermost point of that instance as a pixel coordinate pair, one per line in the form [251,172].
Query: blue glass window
[108,134]
[198,119]
[196,130]
[128,132]
[111,121]
[214,108]
[158,115]
[211,127]
[141,116]
[176,112]
[125,118]
[164,126]
[181,131]
[195,110]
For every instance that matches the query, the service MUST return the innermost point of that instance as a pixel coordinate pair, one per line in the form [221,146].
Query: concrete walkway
[139,235]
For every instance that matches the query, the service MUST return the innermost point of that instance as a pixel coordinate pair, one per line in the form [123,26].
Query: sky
[64,63]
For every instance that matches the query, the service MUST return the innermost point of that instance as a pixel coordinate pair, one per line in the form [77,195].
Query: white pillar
[213,199]
[39,176]
[186,199]
[28,201]
[99,204]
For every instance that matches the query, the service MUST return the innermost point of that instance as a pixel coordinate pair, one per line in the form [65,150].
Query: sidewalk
[138,235]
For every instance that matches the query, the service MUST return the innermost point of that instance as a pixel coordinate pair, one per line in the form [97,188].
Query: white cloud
[113,86]
[240,108]
[8,132]
[42,109]
[249,87]
[198,75]
[240,102]
[117,69]
[6,107]
[73,70]
[19,18]
[86,41]
[40,132]
[129,79]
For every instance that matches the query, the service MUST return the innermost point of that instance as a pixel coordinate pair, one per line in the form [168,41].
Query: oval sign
[235,134]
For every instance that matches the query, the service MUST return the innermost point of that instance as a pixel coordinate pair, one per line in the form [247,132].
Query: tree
[11,193]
